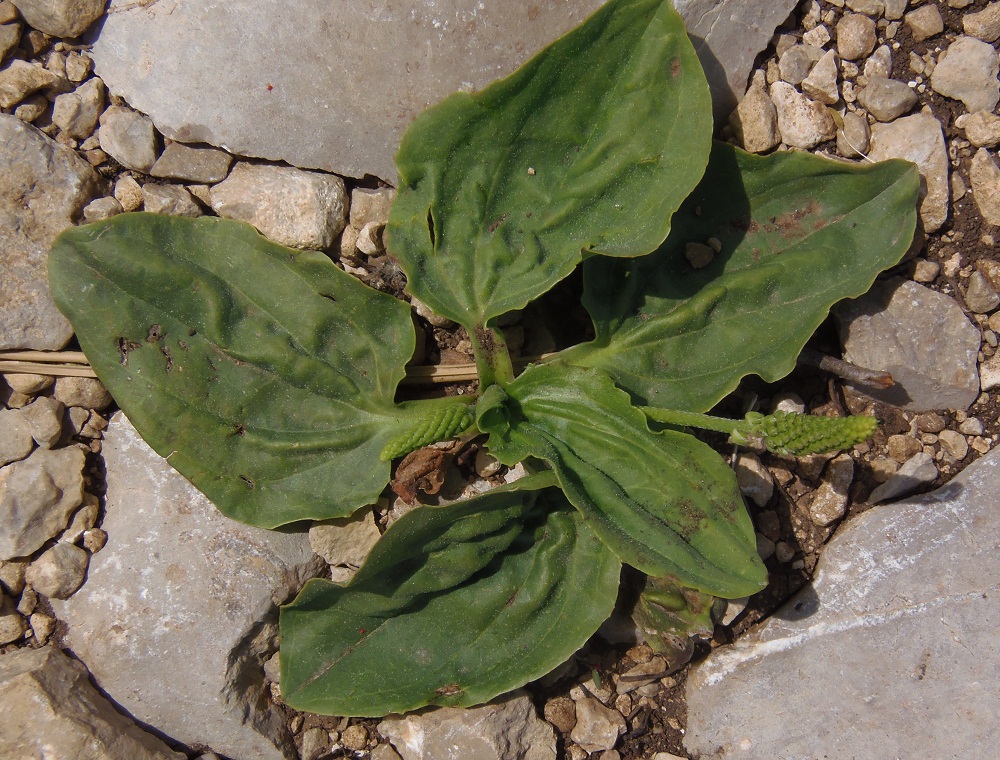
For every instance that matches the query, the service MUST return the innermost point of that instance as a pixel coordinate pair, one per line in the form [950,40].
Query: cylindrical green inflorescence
[439,425]
[801,434]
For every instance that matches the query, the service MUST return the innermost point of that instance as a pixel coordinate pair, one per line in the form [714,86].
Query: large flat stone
[919,336]
[333,85]
[891,652]
[178,612]
[49,709]
[43,189]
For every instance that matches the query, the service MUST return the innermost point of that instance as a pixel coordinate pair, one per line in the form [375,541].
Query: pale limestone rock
[128,137]
[855,36]
[854,139]
[59,571]
[100,209]
[921,337]
[967,71]
[985,178]
[87,392]
[12,625]
[346,540]
[202,164]
[60,18]
[981,128]
[44,416]
[953,444]
[829,502]
[16,441]
[818,36]
[297,208]
[920,139]
[894,9]
[370,206]
[10,35]
[821,84]
[370,241]
[796,62]
[871,8]
[924,22]
[37,497]
[984,25]
[989,373]
[754,479]
[803,123]
[78,65]
[173,200]
[76,113]
[128,192]
[915,472]
[283,87]
[980,297]
[178,612]
[755,120]
[898,620]
[29,384]
[20,78]
[49,709]
[887,99]
[879,63]
[597,727]
[507,727]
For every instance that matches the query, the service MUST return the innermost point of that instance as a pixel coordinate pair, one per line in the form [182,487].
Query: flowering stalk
[786,433]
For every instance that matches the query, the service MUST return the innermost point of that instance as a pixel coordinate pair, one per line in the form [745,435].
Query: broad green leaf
[265,375]
[665,502]
[798,233]
[587,148]
[454,606]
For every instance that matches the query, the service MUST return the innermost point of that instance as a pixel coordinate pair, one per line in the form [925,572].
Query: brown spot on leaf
[450,690]
[675,68]
[125,347]
[154,333]
[493,227]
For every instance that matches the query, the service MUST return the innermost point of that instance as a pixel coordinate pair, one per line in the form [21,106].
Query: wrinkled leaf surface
[798,233]
[587,148]
[265,375]
[454,606]
[665,503]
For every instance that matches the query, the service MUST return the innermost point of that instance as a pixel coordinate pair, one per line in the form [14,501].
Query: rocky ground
[875,626]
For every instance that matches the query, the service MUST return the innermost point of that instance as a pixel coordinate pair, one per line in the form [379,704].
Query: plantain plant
[269,376]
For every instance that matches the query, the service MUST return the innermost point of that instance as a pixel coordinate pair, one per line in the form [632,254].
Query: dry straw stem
[74,364]
[56,363]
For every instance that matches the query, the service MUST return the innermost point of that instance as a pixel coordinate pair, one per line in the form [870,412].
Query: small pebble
[315,743]
[42,626]
[925,271]
[971,426]
[59,571]
[783,552]
[355,737]
[953,444]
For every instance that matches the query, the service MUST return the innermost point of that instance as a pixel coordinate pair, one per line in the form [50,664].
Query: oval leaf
[587,148]
[796,233]
[455,605]
[665,503]
[264,375]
